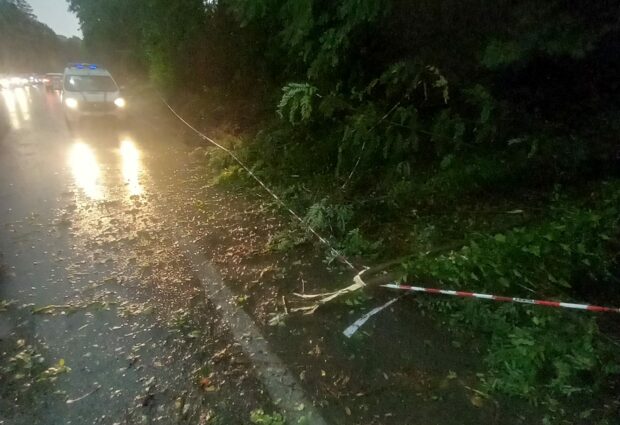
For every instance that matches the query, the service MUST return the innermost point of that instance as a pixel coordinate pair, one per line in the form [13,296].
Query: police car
[90,91]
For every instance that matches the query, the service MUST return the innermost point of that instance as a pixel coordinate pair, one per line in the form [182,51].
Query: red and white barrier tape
[544,303]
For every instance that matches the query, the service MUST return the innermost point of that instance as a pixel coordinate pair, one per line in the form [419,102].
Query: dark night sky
[56,15]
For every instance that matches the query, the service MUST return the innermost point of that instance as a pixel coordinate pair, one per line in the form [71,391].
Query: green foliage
[338,31]
[230,175]
[462,176]
[447,132]
[332,220]
[554,355]
[550,29]
[499,53]
[155,35]
[23,6]
[324,216]
[390,136]
[485,127]
[355,244]
[160,70]
[218,159]
[537,353]
[299,18]
[297,100]
[259,417]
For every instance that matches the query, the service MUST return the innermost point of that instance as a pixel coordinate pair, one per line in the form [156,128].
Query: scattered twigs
[72,308]
[387,272]
[284,305]
[75,400]
[48,309]
[326,297]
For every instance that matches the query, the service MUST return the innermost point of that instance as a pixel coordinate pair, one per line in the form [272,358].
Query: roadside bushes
[540,353]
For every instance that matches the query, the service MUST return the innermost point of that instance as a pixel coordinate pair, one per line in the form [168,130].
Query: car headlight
[71,103]
[120,102]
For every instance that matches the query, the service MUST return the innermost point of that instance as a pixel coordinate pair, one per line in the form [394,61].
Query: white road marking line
[278,380]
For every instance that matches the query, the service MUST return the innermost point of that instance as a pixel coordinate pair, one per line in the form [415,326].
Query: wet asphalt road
[94,239]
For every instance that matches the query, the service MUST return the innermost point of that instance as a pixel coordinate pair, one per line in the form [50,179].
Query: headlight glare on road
[120,102]
[71,103]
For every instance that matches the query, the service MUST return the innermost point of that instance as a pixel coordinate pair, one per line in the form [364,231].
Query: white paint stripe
[484,296]
[278,380]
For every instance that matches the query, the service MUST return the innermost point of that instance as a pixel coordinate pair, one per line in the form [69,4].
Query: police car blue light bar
[83,66]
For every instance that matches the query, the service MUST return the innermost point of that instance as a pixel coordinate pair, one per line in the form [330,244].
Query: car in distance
[90,91]
[53,81]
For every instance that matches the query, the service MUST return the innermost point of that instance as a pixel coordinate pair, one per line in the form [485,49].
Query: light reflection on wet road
[132,166]
[17,103]
[87,173]
[86,170]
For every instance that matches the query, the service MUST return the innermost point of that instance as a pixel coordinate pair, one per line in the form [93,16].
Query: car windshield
[90,83]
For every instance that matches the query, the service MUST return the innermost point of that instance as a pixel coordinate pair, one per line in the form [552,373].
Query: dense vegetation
[488,128]
[27,45]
